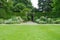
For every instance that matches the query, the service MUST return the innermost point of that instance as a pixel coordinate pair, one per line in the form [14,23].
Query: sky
[35,3]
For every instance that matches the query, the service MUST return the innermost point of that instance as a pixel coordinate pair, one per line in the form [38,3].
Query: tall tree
[44,5]
[15,7]
[56,9]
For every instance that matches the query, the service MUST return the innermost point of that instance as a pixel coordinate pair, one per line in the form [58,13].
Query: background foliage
[23,7]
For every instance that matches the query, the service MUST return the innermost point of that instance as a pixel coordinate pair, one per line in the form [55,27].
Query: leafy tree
[56,9]
[14,7]
[45,7]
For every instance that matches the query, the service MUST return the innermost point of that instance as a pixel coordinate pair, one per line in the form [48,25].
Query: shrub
[9,21]
[41,20]
[24,18]
[37,20]
[14,20]
[44,20]
[57,22]
[50,20]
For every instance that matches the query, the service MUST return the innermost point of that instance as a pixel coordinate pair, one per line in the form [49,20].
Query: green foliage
[57,21]
[19,7]
[23,7]
[14,20]
[14,8]
[50,21]
[45,20]
[54,13]
[56,9]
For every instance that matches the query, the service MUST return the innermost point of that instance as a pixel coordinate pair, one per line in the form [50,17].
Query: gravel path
[30,23]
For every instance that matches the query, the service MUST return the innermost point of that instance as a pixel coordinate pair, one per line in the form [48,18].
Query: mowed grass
[30,32]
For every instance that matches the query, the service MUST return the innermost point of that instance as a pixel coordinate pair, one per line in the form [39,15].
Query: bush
[41,20]
[57,22]
[44,20]
[14,20]
[50,21]
[37,20]
[24,18]
[8,21]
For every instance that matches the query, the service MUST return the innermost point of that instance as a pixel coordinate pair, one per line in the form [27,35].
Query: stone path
[30,23]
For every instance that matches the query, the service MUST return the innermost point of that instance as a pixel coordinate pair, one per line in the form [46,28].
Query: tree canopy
[14,7]
[21,7]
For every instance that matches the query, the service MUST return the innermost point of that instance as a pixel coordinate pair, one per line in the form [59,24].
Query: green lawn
[29,32]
